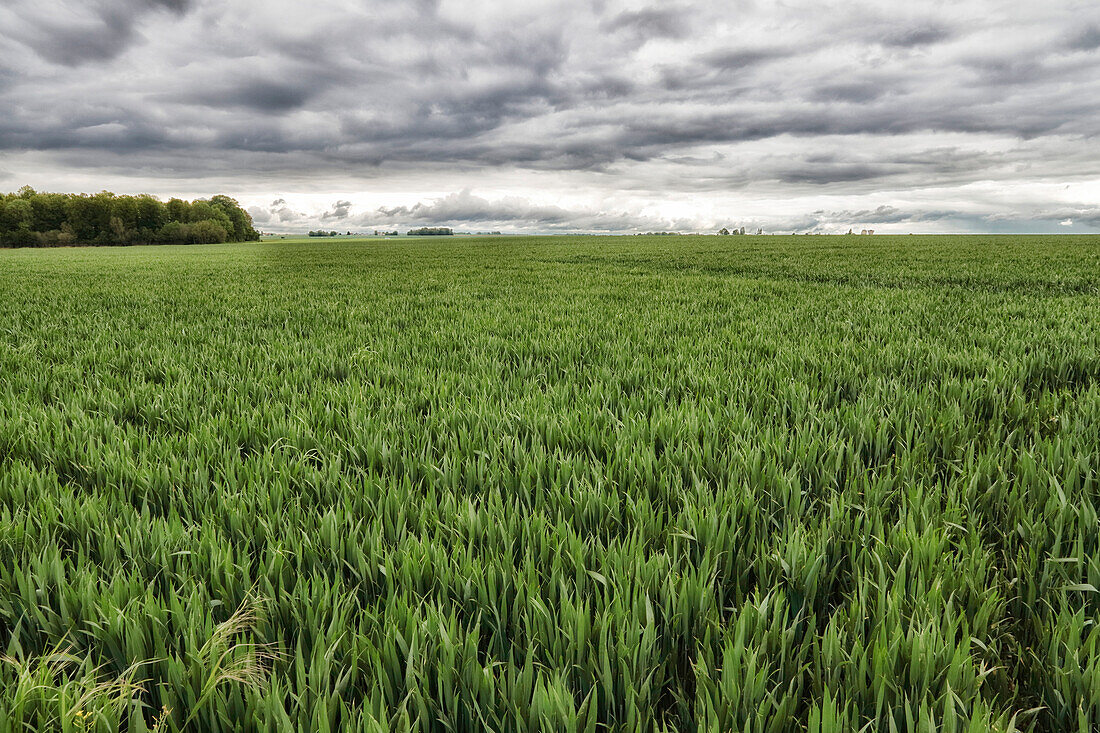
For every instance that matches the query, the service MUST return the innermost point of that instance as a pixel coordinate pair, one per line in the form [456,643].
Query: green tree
[208,231]
[241,229]
[17,213]
[174,233]
[178,210]
[16,221]
[125,210]
[152,216]
[49,211]
[28,217]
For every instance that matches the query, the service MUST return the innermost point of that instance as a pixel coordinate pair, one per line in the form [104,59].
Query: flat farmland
[543,484]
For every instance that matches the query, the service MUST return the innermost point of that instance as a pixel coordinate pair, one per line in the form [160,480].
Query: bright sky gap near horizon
[561,116]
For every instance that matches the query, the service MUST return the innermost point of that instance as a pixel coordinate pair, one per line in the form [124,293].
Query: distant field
[547,484]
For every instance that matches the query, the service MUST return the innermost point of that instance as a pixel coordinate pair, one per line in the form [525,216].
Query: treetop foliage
[32,219]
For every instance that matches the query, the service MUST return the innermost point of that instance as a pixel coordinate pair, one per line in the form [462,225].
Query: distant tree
[174,232]
[119,233]
[49,211]
[126,209]
[29,218]
[16,222]
[240,223]
[178,210]
[17,213]
[207,231]
[724,232]
[83,217]
[200,210]
[21,237]
[431,231]
[152,213]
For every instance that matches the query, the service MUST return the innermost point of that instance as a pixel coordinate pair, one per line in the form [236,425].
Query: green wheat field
[552,484]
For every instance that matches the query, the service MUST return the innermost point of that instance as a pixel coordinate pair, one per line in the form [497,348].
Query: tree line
[431,231]
[32,219]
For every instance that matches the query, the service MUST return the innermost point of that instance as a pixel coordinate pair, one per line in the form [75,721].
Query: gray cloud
[1086,40]
[339,210]
[258,95]
[179,6]
[653,22]
[742,58]
[856,92]
[71,34]
[832,173]
[1086,215]
[665,102]
[921,35]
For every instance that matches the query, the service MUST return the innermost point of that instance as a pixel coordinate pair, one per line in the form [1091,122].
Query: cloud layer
[563,115]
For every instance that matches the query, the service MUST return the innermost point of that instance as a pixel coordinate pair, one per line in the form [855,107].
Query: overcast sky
[542,116]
